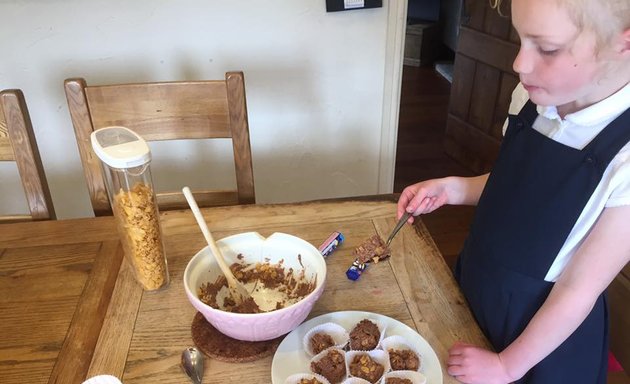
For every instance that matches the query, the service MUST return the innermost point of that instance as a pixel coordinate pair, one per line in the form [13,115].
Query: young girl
[552,224]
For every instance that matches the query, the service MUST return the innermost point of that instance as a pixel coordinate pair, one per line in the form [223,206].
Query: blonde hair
[604,18]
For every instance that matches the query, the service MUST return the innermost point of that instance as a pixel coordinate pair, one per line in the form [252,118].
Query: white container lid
[103,379]
[120,147]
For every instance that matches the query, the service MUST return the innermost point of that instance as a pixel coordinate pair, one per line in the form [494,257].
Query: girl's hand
[423,197]
[427,196]
[474,365]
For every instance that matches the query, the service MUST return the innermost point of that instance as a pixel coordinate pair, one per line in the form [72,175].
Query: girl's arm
[470,189]
[605,251]
[603,254]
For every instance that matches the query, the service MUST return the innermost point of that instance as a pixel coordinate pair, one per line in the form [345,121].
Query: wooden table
[70,308]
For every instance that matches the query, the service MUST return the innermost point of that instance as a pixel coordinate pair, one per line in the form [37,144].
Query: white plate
[291,358]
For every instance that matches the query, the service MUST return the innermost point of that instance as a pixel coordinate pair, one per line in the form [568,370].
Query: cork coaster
[218,346]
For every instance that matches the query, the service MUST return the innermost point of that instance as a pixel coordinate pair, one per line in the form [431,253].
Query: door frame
[394,56]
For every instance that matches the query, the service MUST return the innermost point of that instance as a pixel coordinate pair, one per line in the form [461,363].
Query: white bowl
[202,268]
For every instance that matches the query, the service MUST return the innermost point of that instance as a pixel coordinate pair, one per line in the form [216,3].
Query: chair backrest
[165,111]
[17,144]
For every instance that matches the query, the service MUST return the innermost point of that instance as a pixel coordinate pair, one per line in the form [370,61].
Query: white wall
[321,90]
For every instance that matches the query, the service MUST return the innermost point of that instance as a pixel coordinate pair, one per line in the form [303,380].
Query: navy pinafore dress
[533,197]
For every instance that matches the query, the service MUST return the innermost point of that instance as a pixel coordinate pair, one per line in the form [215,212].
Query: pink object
[202,268]
[331,243]
[613,363]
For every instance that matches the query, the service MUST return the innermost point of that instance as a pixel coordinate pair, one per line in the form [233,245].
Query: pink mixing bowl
[203,268]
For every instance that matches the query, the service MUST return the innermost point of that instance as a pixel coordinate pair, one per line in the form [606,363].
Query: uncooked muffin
[397,380]
[320,341]
[364,336]
[365,367]
[332,366]
[403,359]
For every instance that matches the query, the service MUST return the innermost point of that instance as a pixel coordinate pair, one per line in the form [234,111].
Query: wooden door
[483,81]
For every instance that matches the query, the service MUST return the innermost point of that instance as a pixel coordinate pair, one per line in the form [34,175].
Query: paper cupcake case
[338,333]
[400,343]
[380,325]
[379,356]
[341,336]
[295,379]
[321,355]
[355,380]
[413,376]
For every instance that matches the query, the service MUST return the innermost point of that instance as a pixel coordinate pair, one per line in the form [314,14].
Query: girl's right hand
[424,197]
[427,196]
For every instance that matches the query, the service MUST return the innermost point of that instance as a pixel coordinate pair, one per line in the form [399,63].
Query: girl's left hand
[474,365]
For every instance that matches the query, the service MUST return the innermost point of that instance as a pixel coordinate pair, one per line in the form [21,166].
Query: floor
[424,105]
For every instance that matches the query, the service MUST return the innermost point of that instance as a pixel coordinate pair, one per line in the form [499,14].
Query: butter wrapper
[331,243]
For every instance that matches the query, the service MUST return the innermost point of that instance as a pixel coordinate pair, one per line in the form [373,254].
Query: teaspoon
[192,364]
[401,222]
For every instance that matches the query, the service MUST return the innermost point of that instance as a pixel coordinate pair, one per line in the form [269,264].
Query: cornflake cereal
[139,228]
[370,365]
[404,377]
[397,380]
[404,359]
[306,378]
[324,336]
[373,249]
[402,356]
[281,287]
[365,336]
[331,364]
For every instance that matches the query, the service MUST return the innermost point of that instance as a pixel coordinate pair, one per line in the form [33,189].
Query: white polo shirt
[577,130]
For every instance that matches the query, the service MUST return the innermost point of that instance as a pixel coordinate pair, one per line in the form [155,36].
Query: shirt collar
[607,109]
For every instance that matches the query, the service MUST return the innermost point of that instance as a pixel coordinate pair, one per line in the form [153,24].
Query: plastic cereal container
[126,160]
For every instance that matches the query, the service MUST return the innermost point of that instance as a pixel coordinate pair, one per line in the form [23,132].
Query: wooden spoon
[237,290]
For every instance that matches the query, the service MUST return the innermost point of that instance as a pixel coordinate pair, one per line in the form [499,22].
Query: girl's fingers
[433,204]
[423,207]
[458,372]
[419,199]
[463,379]
[454,360]
[457,347]
[406,201]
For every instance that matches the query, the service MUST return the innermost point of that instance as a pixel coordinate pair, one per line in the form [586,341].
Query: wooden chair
[17,144]
[165,111]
